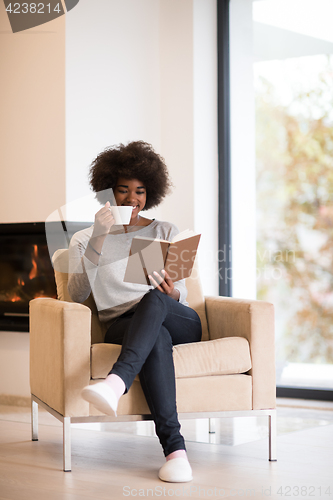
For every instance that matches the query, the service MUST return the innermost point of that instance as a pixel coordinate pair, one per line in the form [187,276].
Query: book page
[180,258]
[183,235]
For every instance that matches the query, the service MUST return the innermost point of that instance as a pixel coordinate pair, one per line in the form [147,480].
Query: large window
[293,83]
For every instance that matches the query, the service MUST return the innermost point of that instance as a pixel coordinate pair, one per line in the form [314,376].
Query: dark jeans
[147,335]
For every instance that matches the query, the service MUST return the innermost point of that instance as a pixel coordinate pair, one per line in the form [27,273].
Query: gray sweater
[112,295]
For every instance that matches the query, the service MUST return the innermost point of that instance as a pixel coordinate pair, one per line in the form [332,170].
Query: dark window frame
[224,162]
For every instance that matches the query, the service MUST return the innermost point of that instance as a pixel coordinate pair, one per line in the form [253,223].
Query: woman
[146,320]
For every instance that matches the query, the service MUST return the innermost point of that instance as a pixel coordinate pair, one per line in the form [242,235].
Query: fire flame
[33,272]
[15,299]
[14,295]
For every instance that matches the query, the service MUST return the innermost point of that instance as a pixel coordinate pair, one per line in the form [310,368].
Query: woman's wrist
[97,241]
[94,249]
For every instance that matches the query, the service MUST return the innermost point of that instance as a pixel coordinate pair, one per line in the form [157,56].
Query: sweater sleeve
[82,272]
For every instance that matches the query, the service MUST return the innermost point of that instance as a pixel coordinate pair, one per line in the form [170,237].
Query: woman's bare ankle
[177,454]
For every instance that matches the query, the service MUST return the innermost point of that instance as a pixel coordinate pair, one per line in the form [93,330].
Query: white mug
[121,214]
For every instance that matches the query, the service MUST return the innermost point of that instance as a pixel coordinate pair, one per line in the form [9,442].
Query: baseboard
[9,400]
[318,394]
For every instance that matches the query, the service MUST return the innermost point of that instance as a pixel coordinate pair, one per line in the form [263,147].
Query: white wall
[176,56]
[205,157]
[14,363]
[112,82]
[32,120]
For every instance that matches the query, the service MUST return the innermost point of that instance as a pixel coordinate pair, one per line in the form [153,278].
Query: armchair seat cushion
[226,356]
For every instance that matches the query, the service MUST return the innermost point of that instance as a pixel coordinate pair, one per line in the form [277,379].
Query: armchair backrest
[195,296]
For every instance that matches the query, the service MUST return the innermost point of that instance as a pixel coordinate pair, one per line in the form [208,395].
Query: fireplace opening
[26,271]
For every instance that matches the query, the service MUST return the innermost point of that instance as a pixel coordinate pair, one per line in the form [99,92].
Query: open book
[148,255]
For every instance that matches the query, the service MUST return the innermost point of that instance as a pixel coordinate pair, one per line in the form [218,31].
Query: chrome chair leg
[212,425]
[272,436]
[34,420]
[67,444]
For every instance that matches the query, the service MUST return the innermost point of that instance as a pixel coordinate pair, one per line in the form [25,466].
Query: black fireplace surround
[26,270]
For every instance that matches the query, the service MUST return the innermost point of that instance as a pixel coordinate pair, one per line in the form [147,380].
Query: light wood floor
[116,463]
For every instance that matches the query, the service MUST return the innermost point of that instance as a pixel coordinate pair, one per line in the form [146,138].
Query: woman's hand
[164,284]
[104,220]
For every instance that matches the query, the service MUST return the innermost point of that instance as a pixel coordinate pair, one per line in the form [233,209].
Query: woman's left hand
[164,284]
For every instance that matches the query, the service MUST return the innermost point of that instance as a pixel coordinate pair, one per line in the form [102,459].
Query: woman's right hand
[104,220]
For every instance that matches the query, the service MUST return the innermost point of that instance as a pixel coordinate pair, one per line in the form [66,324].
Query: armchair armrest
[254,320]
[60,354]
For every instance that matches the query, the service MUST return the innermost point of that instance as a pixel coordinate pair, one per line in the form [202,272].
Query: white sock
[116,383]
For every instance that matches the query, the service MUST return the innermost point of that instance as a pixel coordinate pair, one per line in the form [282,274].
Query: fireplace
[26,270]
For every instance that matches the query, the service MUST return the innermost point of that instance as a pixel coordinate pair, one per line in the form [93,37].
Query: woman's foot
[176,469]
[105,395]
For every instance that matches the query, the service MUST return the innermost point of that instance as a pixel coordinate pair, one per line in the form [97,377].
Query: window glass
[293,81]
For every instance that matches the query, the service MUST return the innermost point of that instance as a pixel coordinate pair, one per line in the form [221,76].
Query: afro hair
[136,160]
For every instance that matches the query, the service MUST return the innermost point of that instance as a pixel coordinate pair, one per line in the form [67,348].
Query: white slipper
[176,470]
[102,396]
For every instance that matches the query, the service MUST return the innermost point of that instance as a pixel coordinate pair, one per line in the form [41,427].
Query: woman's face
[131,192]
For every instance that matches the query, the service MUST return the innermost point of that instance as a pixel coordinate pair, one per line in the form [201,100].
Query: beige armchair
[231,372]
